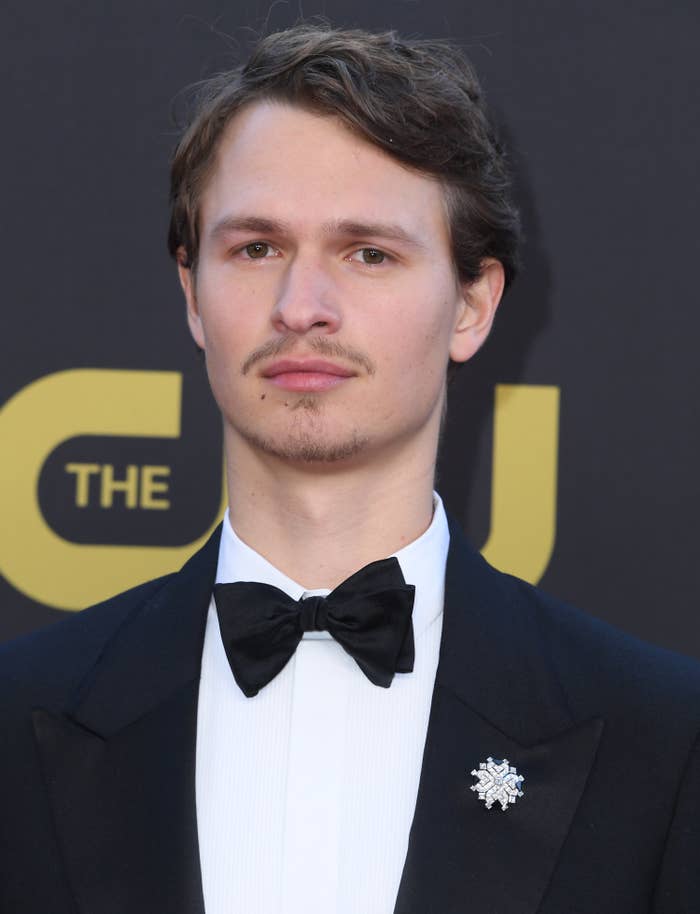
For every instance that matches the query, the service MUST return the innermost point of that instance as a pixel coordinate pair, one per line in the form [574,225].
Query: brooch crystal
[498,782]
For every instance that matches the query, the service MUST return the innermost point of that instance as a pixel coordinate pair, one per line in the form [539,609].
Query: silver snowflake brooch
[498,782]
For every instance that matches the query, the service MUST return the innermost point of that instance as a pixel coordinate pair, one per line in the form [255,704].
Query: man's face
[325,297]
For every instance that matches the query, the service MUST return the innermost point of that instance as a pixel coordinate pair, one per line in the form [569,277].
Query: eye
[370,256]
[257,250]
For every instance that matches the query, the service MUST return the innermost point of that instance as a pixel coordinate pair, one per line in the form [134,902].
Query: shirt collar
[422,564]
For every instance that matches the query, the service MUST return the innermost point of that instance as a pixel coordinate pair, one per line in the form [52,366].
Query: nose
[307,300]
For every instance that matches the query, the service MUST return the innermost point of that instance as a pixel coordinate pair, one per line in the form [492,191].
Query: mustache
[319,345]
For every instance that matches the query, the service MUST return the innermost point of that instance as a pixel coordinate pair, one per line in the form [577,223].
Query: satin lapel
[119,762]
[495,695]
[124,809]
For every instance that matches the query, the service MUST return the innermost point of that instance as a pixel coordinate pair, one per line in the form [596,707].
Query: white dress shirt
[306,792]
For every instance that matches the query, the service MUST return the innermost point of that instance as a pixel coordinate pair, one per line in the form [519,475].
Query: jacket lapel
[119,761]
[495,695]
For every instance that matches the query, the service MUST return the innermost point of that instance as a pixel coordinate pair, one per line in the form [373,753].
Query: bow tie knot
[369,615]
[313,614]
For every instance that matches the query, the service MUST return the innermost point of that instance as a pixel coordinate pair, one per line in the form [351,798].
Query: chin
[302,435]
[308,448]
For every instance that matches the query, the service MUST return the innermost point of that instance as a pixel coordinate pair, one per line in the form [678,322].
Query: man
[228,739]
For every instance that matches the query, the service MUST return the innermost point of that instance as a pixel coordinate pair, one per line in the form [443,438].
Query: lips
[306,375]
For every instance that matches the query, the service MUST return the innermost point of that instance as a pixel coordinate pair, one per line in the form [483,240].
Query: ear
[187,281]
[477,309]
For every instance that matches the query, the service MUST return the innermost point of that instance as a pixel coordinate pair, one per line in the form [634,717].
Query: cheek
[229,318]
[422,335]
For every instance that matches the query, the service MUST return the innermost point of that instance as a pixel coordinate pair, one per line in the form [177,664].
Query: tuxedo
[97,758]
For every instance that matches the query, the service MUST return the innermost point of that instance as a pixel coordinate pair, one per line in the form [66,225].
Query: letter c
[68,404]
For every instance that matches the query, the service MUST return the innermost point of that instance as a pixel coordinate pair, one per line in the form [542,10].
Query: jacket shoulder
[55,657]
[602,667]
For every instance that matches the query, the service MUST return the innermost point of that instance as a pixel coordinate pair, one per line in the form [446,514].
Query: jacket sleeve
[678,885]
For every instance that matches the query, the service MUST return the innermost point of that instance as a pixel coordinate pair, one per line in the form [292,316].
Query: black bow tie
[369,615]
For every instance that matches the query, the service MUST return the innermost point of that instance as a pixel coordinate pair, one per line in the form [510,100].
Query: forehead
[287,164]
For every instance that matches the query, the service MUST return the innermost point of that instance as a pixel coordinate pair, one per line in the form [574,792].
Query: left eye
[371,256]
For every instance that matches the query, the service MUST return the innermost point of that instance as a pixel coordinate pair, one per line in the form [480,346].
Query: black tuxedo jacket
[97,759]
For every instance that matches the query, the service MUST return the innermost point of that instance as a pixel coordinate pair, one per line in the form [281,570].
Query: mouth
[306,375]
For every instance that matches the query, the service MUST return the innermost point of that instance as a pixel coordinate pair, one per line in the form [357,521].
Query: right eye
[257,250]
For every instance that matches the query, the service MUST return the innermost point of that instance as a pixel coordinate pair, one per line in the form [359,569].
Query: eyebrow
[340,227]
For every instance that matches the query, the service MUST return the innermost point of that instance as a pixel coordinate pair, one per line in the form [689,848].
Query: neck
[320,525]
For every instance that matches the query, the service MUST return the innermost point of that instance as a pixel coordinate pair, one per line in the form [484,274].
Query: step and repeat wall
[571,448]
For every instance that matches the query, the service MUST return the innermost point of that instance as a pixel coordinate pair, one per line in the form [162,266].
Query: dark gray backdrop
[599,103]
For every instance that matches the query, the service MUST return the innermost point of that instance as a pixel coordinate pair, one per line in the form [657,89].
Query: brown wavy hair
[418,100]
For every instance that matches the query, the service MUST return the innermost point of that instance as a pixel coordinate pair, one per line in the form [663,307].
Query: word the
[140,486]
